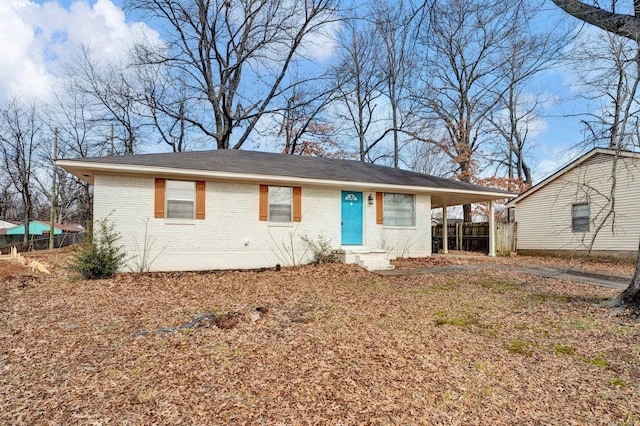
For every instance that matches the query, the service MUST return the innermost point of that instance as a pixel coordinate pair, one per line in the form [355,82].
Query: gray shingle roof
[270,164]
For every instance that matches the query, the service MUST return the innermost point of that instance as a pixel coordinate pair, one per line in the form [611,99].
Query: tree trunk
[630,297]
[466,212]
[27,215]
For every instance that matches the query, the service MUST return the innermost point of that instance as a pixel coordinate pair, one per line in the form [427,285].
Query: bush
[102,258]
[322,250]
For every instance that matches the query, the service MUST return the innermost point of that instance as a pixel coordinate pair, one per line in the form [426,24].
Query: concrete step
[350,254]
[373,261]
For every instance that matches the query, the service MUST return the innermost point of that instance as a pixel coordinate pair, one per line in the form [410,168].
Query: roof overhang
[568,167]
[440,197]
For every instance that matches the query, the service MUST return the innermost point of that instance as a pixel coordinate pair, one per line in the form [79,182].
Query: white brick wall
[401,241]
[231,236]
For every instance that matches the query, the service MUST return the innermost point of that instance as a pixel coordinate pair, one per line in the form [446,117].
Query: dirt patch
[336,345]
[11,267]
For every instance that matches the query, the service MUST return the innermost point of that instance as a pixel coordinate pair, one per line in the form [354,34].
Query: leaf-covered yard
[329,345]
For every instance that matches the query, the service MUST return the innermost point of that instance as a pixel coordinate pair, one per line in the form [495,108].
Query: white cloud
[322,43]
[554,161]
[21,65]
[36,38]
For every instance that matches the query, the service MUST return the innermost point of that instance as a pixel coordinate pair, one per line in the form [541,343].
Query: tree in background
[395,24]
[304,129]
[235,56]
[165,106]
[21,135]
[359,86]
[81,134]
[528,54]
[628,26]
[463,52]
[609,76]
[115,91]
[8,202]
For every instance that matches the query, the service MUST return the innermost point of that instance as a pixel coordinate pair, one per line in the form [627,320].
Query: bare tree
[609,74]
[304,130]
[628,26]
[81,135]
[235,56]
[528,53]
[116,91]
[166,104]
[395,25]
[428,159]
[359,85]
[21,133]
[464,45]
[8,202]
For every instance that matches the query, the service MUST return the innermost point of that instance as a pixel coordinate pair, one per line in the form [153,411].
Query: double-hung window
[397,209]
[179,199]
[280,204]
[580,217]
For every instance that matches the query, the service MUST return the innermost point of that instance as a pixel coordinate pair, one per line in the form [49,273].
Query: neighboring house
[232,209]
[6,225]
[38,227]
[39,234]
[570,211]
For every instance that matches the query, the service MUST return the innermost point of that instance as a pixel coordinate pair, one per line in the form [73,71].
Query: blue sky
[38,32]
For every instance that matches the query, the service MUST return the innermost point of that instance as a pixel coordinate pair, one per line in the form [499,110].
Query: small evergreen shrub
[101,258]
[322,250]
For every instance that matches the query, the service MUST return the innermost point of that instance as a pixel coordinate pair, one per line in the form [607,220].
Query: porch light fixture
[370,198]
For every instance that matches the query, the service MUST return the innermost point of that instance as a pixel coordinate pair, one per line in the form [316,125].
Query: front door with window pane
[351,218]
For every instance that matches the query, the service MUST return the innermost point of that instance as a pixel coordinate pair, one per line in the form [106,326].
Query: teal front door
[351,218]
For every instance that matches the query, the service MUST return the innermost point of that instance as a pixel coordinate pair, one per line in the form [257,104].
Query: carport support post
[492,230]
[445,241]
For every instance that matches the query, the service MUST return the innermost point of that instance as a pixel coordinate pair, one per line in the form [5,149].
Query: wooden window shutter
[200,200]
[297,204]
[159,198]
[379,208]
[264,202]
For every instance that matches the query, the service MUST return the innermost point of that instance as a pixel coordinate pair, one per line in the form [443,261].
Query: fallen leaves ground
[335,345]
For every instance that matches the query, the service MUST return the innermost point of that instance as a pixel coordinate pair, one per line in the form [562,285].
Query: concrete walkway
[544,271]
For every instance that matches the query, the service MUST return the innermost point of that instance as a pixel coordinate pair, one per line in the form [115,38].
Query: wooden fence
[506,237]
[474,236]
[39,242]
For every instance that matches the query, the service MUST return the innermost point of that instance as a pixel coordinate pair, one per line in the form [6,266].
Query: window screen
[180,197]
[580,217]
[399,210]
[280,203]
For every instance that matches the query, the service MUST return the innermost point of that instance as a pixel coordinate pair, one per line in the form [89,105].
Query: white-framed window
[580,217]
[280,204]
[399,209]
[180,199]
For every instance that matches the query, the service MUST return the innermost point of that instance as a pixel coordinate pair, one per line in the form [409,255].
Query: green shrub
[101,258]
[322,250]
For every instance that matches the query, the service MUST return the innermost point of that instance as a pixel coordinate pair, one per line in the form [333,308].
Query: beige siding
[544,217]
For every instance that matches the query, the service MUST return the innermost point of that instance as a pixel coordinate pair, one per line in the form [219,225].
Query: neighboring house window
[395,209]
[580,217]
[177,199]
[281,204]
